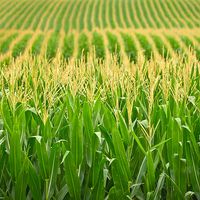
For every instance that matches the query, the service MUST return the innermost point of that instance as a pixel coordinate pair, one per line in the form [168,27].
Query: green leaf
[124,130]
[89,132]
[62,193]
[138,181]
[150,172]
[72,179]
[34,182]
[77,139]
[160,184]
[21,182]
[54,164]
[42,156]
[138,142]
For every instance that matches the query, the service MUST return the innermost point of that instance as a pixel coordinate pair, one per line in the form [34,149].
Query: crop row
[89,14]
[150,44]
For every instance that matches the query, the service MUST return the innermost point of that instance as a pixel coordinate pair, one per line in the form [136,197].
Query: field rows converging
[147,43]
[89,15]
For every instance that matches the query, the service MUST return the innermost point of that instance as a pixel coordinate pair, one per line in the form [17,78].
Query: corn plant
[96,15]
[46,17]
[37,44]
[40,12]
[89,16]
[103,14]
[161,15]
[162,49]
[152,13]
[130,47]
[114,46]
[132,134]
[82,16]
[20,46]
[32,16]
[74,16]
[138,12]
[4,47]
[132,14]
[68,46]
[52,46]
[148,52]
[66,20]
[83,48]
[61,16]
[174,44]
[146,16]
[98,43]
[111,14]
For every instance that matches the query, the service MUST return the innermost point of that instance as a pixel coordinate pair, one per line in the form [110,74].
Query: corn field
[100,99]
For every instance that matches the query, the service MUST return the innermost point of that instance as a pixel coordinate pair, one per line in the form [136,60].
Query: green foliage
[117,10]
[146,16]
[38,16]
[37,44]
[103,14]
[124,12]
[53,17]
[191,45]
[162,49]
[20,47]
[174,44]
[198,39]
[52,46]
[23,15]
[9,15]
[161,15]
[173,17]
[98,43]
[18,14]
[192,10]
[114,46]
[132,14]
[178,10]
[152,13]
[148,52]
[97,20]
[188,14]
[111,15]
[81,20]
[79,148]
[66,20]
[5,7]
[130,47]
[187,41]
[166,13]
[138,12]
[83,46]
[68,46]
[61,16]
[34,16]
[89,16]
[46,17]
[85,130]
[4,46]
[74,16]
